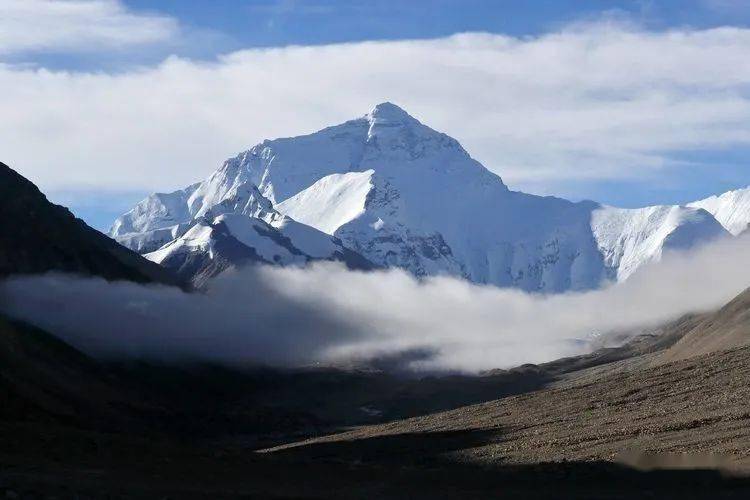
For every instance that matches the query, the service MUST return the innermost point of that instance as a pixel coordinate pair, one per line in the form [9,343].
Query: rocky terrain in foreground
[674,430]
[697,407]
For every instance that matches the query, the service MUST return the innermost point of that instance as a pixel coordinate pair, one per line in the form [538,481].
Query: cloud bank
[593,101]
[77,26]
[327,314]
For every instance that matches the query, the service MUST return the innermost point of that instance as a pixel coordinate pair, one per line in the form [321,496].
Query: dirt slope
[696,406]
[727,328]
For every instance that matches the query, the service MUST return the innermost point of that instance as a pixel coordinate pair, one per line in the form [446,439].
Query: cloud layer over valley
[326,314]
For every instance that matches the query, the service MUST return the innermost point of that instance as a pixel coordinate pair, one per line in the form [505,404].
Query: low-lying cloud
[327,314]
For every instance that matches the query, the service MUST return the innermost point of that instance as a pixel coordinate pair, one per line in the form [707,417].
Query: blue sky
[281,22]
[117,99]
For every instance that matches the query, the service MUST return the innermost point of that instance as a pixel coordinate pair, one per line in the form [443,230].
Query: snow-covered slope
[330,202]
[214,225]
[162,217]
[732,209]
[403,195]
[157,211]
[629,238]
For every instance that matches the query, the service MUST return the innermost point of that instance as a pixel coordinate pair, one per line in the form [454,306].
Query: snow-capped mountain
[403,195]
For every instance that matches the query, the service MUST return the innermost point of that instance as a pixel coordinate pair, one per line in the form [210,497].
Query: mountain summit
[400,194]
[388,120]
[388,112]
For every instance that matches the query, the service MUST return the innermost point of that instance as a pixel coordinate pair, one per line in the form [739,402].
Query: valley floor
[600,434]
[699,407]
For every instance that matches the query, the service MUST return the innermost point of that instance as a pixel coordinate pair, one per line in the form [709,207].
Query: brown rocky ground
[696,406]
[691,414]
[726,328]
[581,438]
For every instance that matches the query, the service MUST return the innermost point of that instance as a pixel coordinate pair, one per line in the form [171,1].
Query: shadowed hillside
[37,236]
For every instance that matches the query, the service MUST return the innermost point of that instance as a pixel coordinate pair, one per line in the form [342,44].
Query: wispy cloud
[287,7]
[78,26]
[594,101]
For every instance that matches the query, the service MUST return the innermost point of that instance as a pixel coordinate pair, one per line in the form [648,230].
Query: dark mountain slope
[42,379]
[37,236]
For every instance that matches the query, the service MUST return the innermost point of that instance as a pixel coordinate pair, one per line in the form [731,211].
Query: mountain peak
[389,112]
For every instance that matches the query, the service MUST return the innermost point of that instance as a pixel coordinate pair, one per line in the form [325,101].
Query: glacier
[387,190]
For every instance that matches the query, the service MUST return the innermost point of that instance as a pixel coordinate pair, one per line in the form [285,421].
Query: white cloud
[77,25]
[600,101]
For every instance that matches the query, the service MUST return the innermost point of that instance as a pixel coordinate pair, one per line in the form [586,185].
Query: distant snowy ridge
[731,209]
[630,238]
[399,194]
[212,226]
[212,246]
